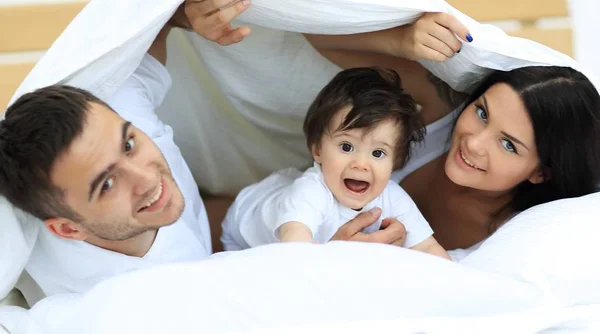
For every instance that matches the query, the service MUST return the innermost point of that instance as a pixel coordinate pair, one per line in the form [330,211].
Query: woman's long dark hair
[564,108]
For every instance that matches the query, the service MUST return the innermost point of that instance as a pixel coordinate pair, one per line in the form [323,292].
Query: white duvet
[540,271]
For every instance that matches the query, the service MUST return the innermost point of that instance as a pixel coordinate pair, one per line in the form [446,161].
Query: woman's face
[493,144]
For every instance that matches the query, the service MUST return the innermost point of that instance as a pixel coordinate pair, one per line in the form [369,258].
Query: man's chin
[175,210]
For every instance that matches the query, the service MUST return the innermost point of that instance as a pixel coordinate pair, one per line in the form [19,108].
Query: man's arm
[211,19]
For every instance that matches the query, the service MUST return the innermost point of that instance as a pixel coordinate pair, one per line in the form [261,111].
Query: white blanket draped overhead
[241,107]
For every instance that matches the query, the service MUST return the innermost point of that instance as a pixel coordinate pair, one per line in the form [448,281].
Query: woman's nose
[476,144]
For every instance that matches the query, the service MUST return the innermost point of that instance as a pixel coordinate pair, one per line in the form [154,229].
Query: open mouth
[467,162]
[357,186]
[154,200]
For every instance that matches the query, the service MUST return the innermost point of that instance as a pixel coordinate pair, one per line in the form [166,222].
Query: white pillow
[18,232]
[554,246]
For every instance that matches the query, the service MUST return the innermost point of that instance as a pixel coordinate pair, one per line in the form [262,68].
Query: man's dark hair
[37,129]
[374,95]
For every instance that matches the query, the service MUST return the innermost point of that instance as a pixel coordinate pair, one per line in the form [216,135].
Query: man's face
[116,179]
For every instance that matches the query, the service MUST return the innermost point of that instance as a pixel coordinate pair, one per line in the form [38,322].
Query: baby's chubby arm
[301,209]
[295,232]
[431,246]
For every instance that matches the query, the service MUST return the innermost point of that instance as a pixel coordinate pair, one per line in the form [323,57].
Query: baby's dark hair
[375,95]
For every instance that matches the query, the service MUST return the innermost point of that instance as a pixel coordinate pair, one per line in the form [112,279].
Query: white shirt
[61,266]
[261,209]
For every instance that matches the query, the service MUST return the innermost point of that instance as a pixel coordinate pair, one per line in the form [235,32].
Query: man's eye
[108,184]
[378,154]
[347,147]
[129,144]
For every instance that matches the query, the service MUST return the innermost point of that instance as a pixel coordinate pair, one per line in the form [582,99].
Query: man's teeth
[156,197]
[466,160]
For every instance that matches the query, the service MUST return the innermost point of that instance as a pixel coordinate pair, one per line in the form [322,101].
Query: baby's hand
[432,37]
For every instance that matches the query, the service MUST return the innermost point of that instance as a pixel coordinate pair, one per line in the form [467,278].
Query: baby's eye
[378,154]
[347,147]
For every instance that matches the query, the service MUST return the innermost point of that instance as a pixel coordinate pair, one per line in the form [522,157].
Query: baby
[359,129]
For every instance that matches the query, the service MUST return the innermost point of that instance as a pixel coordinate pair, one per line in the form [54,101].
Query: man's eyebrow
[513,138]
[94,184]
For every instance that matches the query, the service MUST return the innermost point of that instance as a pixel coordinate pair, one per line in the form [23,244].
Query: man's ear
[66,228]
[540,176]
[316,153]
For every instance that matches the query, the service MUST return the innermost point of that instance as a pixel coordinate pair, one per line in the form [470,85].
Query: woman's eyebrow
[513,138]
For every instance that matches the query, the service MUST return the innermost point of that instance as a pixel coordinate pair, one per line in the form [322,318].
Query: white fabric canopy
[242,107]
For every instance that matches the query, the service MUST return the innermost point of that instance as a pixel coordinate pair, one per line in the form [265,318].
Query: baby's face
[357,163]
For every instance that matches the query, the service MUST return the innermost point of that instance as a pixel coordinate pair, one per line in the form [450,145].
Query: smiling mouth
[154,199]
[356,186]
[469,163]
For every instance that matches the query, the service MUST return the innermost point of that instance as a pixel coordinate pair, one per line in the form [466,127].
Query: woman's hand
[211,19]
[432,37]
[391,232]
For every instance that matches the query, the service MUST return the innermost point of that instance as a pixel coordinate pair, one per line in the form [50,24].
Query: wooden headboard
[28,30]
[529,17]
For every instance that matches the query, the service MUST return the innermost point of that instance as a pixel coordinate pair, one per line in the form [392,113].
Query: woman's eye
[347,147]
[481,114]
[378,154]
[129,144]
[107,185]
[509,146]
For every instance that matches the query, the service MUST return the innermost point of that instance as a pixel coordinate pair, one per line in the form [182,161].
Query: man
[108,182]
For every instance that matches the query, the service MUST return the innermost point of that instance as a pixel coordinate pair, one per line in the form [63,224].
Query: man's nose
[144,178]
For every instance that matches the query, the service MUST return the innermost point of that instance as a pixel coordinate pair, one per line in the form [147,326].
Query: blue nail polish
[469,38]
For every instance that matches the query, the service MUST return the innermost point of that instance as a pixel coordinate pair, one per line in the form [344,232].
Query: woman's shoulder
[434,145]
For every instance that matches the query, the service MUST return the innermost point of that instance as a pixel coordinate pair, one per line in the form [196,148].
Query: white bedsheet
[103,46]
[302,286]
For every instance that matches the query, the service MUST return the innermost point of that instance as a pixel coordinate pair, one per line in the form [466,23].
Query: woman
[522,138]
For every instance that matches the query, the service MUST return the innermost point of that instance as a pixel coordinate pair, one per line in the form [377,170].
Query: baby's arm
[431,246]
[295,232]
[301,209]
